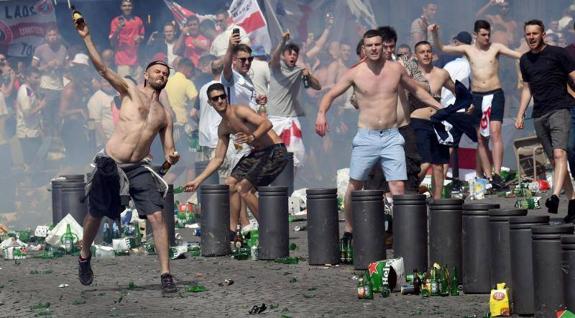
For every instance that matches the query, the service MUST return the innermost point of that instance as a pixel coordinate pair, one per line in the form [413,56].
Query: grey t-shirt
[285,83]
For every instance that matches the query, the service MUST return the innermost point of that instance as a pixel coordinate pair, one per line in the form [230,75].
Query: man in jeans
[546,70]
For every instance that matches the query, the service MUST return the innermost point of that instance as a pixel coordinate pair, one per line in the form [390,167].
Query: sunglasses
[218,97]
[244,59]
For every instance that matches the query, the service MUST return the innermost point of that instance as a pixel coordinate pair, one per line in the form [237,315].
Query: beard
[157,86]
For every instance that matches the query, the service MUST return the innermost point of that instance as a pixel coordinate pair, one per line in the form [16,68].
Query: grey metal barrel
[476,248]
[73,177]
[286,177]
[368,227]
[445,232]
[215,221]
[500,265]
[568,245]
[522,294]
[273,223]
[548,277]
[214,178]
[73,200]
[168,215]
[410,230]
[56,189]
[322,226]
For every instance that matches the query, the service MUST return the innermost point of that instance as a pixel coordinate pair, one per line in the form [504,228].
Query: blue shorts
[372,146]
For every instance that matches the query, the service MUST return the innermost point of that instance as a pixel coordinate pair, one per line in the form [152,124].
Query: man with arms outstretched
[264,163]
[376,81]
[122,168]
[488,97]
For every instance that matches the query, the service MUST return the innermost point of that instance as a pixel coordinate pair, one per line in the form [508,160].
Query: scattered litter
[63,285]
[197,288]
[226,282]
[257,309]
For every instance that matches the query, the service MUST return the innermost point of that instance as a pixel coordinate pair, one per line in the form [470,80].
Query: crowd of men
[410,109]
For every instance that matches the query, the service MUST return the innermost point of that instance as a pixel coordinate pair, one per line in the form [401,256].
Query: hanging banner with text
[23,24]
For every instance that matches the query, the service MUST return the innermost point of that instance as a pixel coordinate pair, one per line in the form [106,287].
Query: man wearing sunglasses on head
[264,163]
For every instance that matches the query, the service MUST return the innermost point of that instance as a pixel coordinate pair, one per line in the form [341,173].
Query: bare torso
[141,118]
[484,68]
[232,123]
[436,79]
[377,94]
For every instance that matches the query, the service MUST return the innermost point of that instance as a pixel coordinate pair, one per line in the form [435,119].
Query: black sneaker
[85,273]
[552,204]
[168,285]
[570,218]
[498,183]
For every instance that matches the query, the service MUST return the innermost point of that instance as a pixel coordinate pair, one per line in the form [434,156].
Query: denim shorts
[385,147]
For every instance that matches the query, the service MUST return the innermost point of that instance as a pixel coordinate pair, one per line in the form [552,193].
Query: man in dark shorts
[433,154]
[265,162]
[546,70]
[121,169]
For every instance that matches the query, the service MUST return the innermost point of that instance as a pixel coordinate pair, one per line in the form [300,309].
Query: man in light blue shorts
[372,146]
[376,81]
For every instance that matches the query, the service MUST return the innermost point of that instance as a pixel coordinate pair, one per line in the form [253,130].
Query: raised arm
[316,49]
[508,52]
[179,46]
[277,54]
[115,28]
[483,9]
[114,79]
[339,88]
[449,49]
[418,91]
[234,41]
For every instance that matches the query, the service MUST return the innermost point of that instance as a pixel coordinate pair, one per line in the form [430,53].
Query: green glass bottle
[69,240]
[368,286]
[179,189]
[454,283]
[349,252]
[342,251]
[434,283]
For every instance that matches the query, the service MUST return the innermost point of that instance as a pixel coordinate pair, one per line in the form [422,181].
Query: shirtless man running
[264,163]
[483,57]
[376,81]
[431,151]
[122,169]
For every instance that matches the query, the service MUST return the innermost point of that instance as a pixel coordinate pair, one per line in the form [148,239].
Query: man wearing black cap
[121,169]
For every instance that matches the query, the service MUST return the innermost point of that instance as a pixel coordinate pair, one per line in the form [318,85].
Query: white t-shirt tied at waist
[289,130]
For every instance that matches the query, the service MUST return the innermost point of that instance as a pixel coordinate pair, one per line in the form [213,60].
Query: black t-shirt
[547,73]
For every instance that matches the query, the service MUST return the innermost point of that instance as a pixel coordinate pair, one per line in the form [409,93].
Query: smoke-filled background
[70,134]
